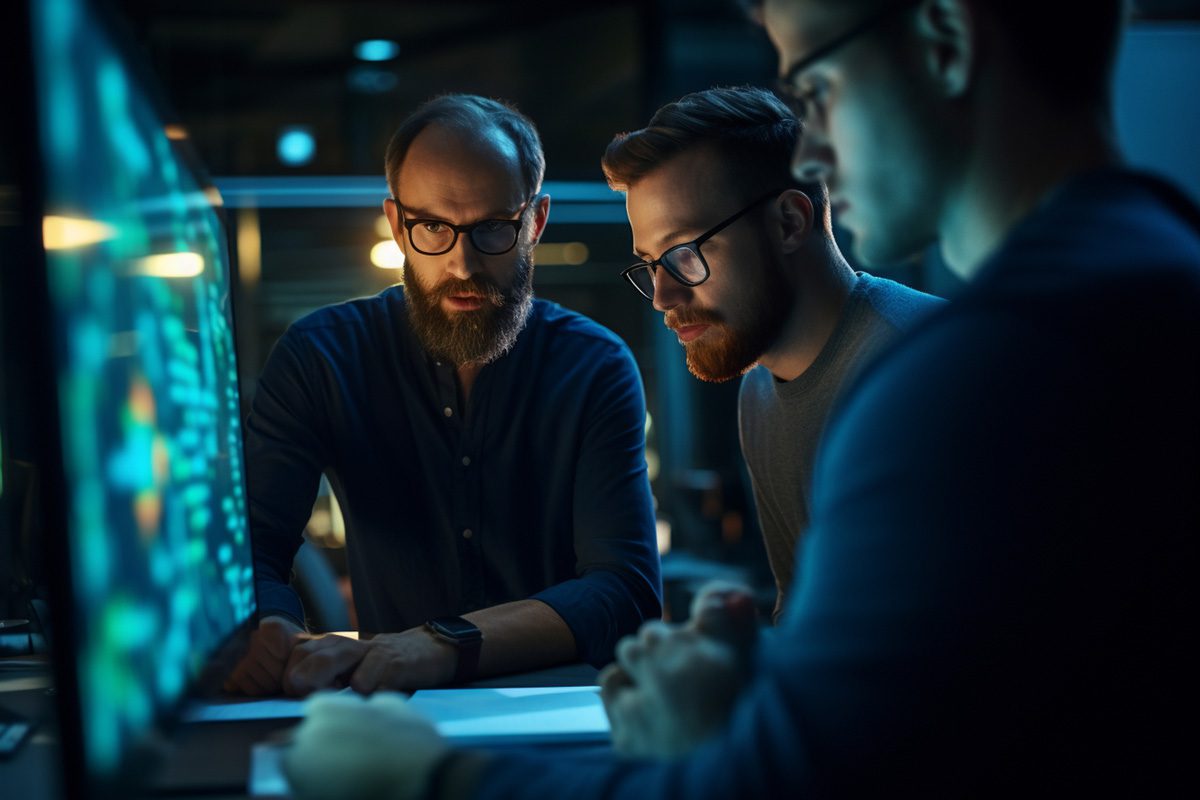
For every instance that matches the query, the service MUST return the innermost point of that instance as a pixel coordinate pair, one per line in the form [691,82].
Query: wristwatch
[466,639]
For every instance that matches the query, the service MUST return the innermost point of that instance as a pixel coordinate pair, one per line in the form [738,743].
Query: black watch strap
[466,639]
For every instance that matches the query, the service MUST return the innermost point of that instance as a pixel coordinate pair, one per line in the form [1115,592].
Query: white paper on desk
[526,715]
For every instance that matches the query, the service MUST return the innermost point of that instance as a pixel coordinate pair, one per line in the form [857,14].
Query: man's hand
[351,747]
[413,659]
[725,611]
[672,687]
[261,670]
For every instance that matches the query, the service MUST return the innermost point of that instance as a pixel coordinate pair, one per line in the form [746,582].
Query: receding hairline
[480,121]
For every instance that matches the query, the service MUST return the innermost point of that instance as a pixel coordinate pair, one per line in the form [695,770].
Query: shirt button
[448,411]
[466,461]
[467,534]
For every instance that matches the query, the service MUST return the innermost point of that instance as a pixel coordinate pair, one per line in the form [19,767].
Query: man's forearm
[522,635]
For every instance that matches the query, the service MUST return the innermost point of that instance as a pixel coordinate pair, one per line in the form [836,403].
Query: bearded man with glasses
[742,262]
[486,448]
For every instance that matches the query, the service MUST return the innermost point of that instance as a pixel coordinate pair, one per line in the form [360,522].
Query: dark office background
[239,74]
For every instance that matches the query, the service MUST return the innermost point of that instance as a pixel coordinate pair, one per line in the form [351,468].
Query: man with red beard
[743,263]
[486,448]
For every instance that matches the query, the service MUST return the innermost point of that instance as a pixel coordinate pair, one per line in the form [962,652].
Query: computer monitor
[120,320]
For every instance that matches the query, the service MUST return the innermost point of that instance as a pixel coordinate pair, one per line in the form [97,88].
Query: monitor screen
[138,281]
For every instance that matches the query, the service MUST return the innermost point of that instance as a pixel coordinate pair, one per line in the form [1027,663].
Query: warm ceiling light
[376,50]
[170,265]
[559,253]
[387,255]
[175,132]
[66,233]
[383,228]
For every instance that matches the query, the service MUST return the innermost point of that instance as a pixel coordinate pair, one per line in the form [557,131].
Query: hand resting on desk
[412,659]
[260,672]
[673,686]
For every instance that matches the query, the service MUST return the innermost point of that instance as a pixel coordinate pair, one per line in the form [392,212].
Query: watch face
[455,628]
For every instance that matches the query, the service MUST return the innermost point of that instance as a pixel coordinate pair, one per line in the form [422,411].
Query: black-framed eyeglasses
[435,237]
[683,262]
[805,100]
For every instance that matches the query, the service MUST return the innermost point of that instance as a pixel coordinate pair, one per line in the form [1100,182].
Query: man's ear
[795,215]
[391,210]
[949,33]
[541,214]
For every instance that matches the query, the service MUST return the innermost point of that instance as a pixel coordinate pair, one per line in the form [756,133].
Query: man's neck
[1020,158]
[467,373]
[819,298]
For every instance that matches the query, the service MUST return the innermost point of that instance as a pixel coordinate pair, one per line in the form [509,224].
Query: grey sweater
[780,422]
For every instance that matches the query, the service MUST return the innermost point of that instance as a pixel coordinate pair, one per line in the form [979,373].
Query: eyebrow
[676,234]
[819,52]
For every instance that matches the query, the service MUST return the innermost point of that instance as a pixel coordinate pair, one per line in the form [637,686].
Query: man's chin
[717,369]
[874,251]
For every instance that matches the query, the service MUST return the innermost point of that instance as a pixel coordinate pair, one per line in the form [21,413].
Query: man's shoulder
[756,386]
[1109,226]
[349,315]
[899,305]
[570,333]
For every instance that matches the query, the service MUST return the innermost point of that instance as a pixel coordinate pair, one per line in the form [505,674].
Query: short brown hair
[469,112]
[751,128]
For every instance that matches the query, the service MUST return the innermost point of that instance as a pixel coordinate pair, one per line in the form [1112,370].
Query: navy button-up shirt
[535,488]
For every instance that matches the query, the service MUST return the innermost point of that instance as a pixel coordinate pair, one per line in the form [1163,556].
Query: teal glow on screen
[147,386]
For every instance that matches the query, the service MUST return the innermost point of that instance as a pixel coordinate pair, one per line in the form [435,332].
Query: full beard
[467,337]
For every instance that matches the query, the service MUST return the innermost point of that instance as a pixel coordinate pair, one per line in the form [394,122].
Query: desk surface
[204,757]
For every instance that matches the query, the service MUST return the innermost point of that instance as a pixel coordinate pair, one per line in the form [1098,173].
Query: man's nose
[668,292]
[463,260]
[814,158]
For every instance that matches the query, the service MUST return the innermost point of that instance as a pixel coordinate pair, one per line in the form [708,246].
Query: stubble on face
[471,337]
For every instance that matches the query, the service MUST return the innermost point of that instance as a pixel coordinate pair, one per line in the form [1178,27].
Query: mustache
[479,285]
[678,318]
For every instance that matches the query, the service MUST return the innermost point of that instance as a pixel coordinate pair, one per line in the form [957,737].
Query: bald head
[478,125]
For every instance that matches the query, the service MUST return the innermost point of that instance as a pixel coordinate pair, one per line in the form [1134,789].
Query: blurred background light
[383,228]
[387,255]
[170,265]
[296,146]
[65,233]
[561,253]
[376,50]
[369,80]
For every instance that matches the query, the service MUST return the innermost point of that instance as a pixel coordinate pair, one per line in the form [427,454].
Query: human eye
[812,93]
[433,226]
[492,225]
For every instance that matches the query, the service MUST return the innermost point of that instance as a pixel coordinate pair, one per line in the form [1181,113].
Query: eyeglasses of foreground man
[805,96]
